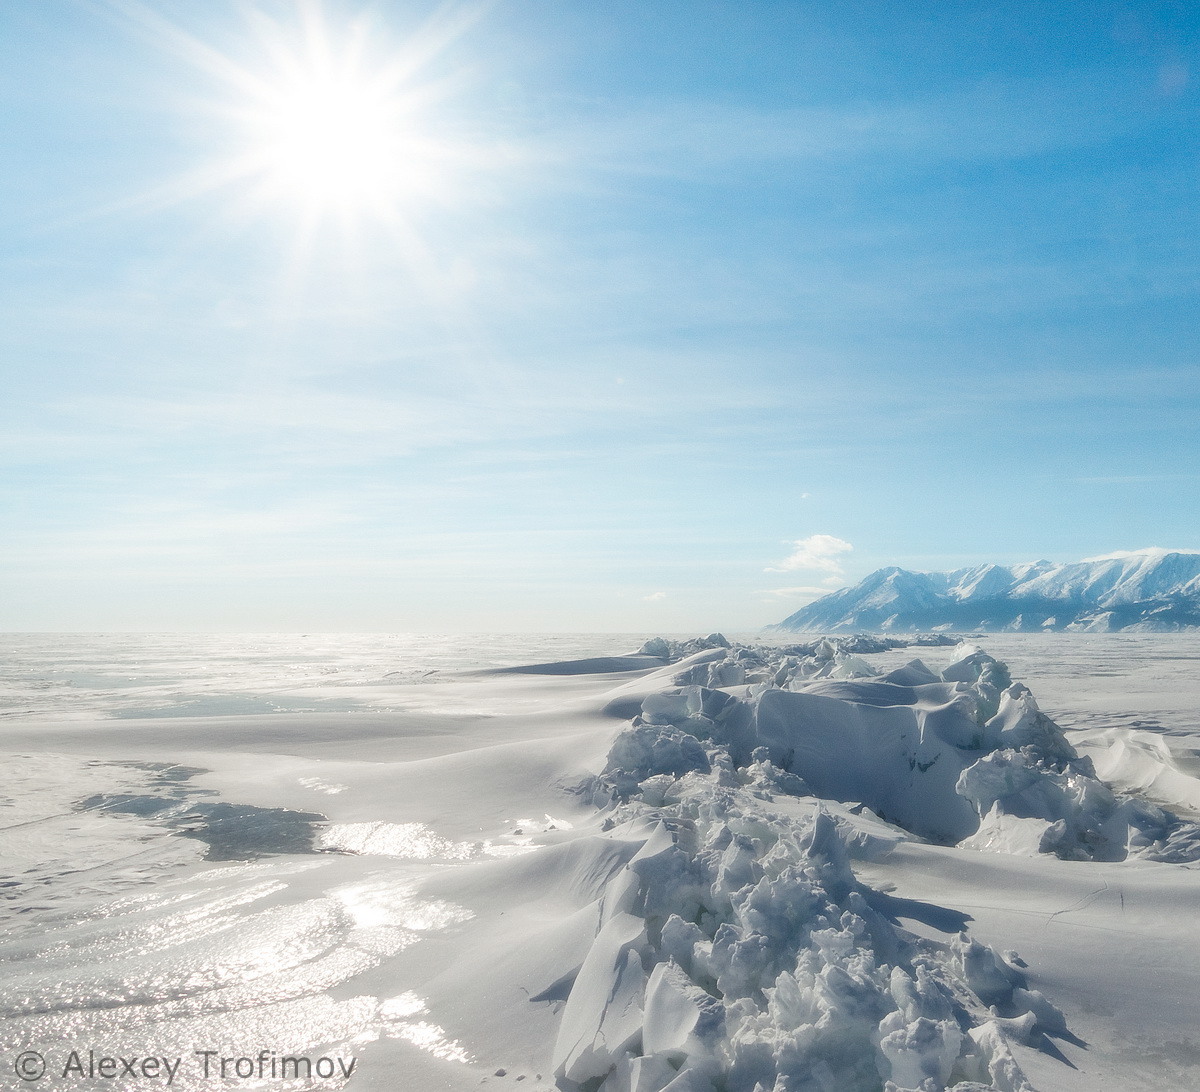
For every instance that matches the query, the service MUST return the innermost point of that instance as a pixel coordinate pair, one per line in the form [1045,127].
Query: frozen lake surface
[385,862]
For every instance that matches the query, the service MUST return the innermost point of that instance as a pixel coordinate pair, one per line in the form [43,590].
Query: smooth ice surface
[831,865]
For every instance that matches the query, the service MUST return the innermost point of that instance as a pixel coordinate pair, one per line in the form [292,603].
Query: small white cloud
[817,553]
[654,597]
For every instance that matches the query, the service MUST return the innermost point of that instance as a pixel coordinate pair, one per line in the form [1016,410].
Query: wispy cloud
[806,592]
[1137,479]
[817,553]
[654,597]
[989,121]
[1145,551]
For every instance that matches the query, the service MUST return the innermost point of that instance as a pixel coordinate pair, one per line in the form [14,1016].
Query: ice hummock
[941,755]
[737,950]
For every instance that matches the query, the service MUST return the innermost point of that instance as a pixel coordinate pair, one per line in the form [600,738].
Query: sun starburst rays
[325,125]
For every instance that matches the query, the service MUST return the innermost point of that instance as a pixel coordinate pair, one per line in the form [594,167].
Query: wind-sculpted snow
[737,951]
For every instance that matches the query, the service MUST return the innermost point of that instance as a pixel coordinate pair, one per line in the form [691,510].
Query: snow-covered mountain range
[1151,589]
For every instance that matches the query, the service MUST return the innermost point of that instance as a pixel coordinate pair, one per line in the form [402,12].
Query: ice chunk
[1019,723]
[895,759]
[845,666]
[913,673]
[603,1015]
[1003,833]
[725,673]
[986,675]
[668,707]
[985,971]
[924,1050]
[639,1074]
[1049,1017]
[680,1018]
[649,749]
[1002,1070]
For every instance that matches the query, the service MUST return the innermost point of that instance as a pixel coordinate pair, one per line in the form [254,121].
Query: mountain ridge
[1152,590]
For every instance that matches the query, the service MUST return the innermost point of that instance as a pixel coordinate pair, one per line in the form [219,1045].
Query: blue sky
[663,315]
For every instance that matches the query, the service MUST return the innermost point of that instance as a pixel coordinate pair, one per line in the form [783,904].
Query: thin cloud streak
[802,592]
[1012,119]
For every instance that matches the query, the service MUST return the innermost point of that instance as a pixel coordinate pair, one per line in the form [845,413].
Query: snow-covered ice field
[396,857]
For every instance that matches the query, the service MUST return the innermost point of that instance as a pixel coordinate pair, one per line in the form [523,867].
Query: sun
[326,120]
[327,130]
[331,139]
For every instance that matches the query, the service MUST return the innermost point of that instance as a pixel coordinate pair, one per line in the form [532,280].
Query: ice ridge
[738,951]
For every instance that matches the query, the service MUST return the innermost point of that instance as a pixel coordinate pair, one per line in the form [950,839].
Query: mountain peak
[1147,589]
